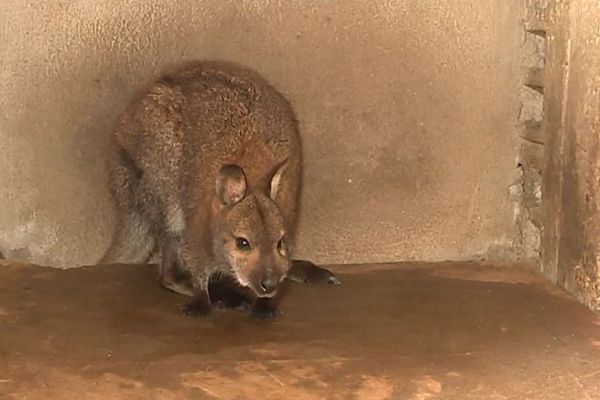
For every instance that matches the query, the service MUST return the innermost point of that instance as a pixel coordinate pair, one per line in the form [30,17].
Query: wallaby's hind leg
[171,275]
[305,271]
[133,240]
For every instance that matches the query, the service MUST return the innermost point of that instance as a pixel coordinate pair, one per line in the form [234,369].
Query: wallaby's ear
[276,179]
[269,184]
[231,184]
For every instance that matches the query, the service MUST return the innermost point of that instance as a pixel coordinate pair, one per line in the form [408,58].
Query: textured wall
[571,250]
[407,111]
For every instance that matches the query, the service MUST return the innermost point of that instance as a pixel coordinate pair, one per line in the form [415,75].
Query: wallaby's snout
[268,282]
[258,268]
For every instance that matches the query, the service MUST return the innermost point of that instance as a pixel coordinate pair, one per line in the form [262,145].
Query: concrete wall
[571,245]
[407,109]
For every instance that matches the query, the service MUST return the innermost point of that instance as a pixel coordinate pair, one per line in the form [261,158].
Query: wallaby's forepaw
[263,309]
[263,313]
[305,271]
[196,308]
[231,301]
[225,293]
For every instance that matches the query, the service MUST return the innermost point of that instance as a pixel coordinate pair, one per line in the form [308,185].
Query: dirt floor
[410,331]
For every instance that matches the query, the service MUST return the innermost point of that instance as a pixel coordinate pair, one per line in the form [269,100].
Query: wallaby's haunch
[206,169]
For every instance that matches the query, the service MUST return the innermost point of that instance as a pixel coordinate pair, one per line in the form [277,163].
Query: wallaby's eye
[242,244]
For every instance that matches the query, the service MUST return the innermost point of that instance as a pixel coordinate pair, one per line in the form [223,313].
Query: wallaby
[206,168]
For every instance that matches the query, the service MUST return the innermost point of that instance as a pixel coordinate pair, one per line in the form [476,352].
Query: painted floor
[405,331]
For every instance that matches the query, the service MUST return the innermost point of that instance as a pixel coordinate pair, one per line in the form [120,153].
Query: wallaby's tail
[132,243]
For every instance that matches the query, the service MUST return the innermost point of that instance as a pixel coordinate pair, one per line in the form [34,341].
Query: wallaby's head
[248,230]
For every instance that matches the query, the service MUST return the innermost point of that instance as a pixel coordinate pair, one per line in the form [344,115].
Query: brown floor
[427,331]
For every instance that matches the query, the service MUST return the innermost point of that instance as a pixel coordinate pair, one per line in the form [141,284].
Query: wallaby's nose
[268,284]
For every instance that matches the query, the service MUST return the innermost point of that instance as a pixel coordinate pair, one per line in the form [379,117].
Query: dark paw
[305,272]
[196,308]
[263,313]
[226,294]
[233,303]
[263,309]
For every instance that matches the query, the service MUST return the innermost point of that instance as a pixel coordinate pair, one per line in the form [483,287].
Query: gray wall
[407,110]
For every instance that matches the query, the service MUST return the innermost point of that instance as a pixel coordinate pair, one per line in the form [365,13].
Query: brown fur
[208,155]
